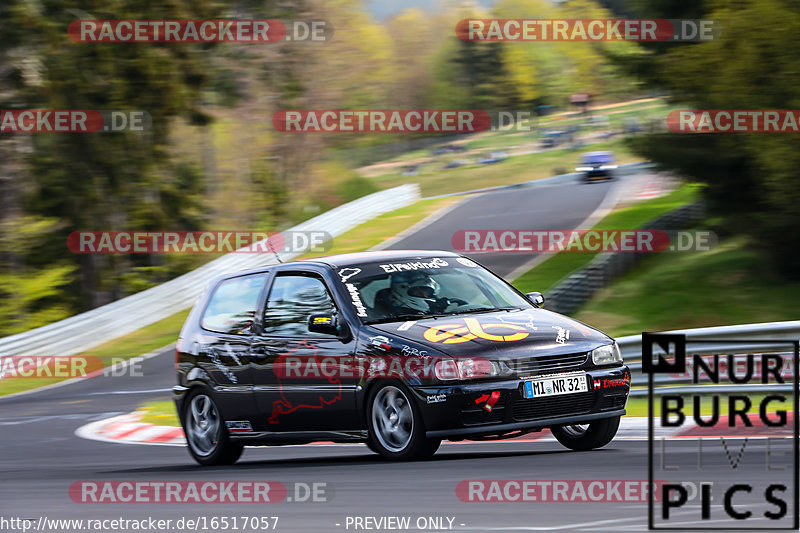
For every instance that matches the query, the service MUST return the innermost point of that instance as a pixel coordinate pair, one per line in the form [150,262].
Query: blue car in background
[597,166]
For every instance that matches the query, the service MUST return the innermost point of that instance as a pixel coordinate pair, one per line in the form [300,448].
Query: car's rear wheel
[582,437]
[206,435]
[396,429]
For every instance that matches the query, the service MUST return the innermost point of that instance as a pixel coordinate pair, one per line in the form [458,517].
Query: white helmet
[414,290]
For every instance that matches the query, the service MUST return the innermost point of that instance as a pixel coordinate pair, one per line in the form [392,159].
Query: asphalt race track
[558,207]
[41,457]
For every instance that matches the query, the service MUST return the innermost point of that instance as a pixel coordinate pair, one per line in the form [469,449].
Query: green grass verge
[160,412]
[731,284]
[166,331]
[549,272]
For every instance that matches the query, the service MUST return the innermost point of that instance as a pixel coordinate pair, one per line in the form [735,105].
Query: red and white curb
[129,429]
[655,186]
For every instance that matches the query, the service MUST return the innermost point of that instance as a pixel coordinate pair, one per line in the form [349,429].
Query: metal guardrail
[92,328]
[579,287]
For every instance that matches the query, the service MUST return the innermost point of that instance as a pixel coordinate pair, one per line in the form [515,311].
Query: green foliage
[356,187]
[751,177]
[103,181]
[29,297]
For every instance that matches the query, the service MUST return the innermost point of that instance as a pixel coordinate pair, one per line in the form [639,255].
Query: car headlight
[606,355]
[469,368]
[500,368]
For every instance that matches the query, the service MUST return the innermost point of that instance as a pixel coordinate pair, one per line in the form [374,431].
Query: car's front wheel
[582,437]
[396,429]
[206,434]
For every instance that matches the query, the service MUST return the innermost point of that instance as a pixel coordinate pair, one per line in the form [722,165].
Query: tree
[751,177]
[100,181]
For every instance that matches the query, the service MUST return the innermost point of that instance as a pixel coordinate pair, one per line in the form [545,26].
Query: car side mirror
[536,298]
[323,323]
[328,324]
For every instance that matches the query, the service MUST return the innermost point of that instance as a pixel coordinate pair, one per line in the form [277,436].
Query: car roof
[344,260]
[341,260]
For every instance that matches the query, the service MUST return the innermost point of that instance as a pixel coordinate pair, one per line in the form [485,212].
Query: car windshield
[395,291]
[597,158]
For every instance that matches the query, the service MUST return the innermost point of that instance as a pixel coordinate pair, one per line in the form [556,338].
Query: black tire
[396,428]
[207,438]
[588,436]
[372,446]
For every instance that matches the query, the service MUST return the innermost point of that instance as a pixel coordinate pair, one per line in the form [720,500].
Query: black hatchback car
[398,350]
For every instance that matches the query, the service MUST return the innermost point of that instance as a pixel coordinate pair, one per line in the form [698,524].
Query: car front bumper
[462,410]
[598,175]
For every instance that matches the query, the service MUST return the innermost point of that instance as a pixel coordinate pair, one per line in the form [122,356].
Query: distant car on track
[398,350]
[493,157]
[410,170]
[597,166]
[449,148]
[552,138]
[455,163]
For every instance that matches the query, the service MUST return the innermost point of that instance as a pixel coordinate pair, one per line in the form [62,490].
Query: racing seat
[383,302]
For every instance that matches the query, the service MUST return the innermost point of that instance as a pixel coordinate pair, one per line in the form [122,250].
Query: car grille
[548,363]
[555,406]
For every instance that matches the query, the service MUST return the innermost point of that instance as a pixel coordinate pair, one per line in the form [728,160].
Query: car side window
[292,298]
[232,307]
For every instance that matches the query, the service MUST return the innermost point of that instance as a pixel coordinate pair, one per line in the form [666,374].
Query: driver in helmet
[417,292]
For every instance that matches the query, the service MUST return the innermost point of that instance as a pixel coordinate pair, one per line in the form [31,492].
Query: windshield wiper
[398,318]
[484,310]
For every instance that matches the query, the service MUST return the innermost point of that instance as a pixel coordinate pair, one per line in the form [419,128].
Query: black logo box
[663,365]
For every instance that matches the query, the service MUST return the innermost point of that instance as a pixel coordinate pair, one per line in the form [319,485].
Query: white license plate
[556,385]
